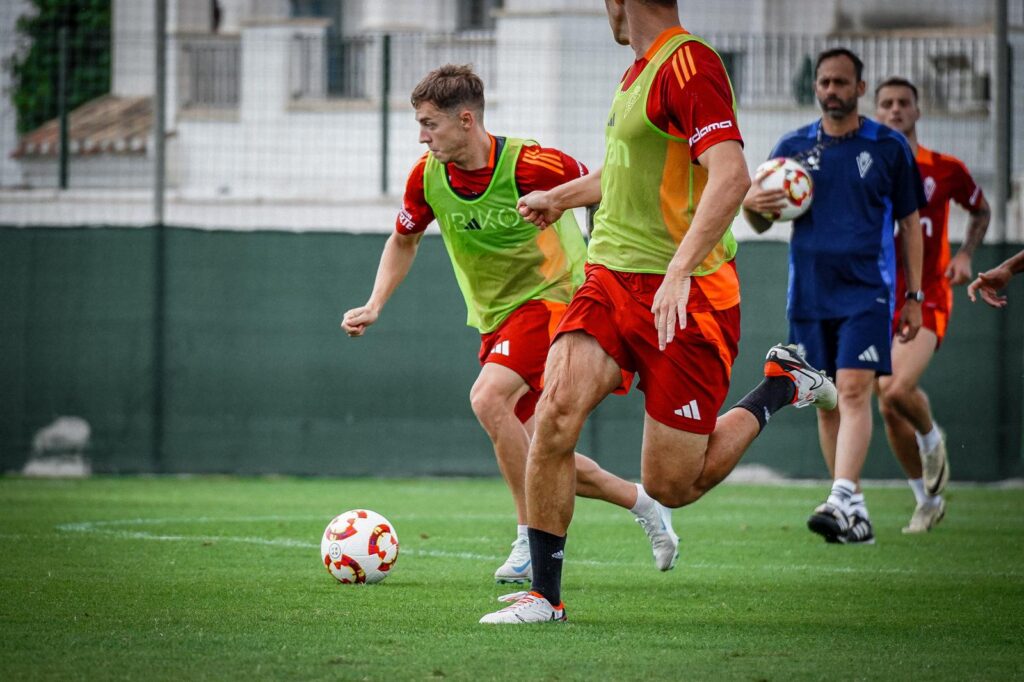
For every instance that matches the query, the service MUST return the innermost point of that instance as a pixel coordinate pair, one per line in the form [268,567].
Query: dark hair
[898,82]
[450,87]
[858,65]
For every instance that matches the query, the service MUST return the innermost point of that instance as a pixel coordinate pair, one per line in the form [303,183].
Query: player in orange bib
[516,282]
[916,440]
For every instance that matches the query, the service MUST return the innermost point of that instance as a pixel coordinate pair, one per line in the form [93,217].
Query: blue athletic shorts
[861,341]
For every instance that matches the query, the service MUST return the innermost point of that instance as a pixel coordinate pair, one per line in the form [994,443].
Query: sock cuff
[846,485]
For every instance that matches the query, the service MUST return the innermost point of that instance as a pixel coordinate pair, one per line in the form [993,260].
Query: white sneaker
[530,607]
[657,523]
[936,467]
[812,386]
[518,568]
[926,516]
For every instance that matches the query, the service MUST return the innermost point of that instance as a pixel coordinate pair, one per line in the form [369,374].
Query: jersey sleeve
[692,98]
[416,213]
[541,168]
[965,191]
[908,189]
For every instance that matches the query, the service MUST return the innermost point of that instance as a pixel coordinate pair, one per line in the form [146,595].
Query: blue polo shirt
[842,253]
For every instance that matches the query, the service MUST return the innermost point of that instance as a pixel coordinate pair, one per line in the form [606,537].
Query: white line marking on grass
[115,528]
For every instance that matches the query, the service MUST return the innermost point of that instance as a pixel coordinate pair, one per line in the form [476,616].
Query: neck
[646,26]
[477,153]
[836,128]
[912,139]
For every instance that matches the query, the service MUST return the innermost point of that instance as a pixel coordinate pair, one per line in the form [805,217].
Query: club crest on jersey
[864,163]
[929,187]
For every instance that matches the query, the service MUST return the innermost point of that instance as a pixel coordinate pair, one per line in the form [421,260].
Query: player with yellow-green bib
[516,281]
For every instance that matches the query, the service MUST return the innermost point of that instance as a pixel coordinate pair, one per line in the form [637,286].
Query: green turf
[219,578]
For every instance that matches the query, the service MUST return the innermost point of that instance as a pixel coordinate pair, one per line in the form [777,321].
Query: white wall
[10,170]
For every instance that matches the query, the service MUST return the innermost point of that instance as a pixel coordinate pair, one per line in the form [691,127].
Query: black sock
[770,396]
[546,552]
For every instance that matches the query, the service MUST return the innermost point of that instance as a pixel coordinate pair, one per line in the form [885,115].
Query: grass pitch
[219,578]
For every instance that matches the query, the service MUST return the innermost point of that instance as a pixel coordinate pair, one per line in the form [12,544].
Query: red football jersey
[691,96]
[538,168]
[945,179]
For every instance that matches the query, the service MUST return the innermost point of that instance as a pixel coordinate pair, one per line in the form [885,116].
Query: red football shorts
[685,385]
[521,343]
[934,316]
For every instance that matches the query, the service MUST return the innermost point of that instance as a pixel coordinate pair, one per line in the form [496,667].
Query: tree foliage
[35,70]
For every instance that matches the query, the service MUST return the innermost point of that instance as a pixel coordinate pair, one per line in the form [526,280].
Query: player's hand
[767,202]
[959,269]
[910,321]
[537,208]
[669,307]
[988,284]
[358,319]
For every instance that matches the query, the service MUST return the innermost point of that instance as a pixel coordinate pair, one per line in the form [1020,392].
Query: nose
[424,137]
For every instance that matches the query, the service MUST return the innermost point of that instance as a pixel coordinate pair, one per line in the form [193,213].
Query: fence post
[385,105]
[160,236]
[62,103]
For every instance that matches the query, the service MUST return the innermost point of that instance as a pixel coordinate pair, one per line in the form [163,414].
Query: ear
[466,119]
[862,87]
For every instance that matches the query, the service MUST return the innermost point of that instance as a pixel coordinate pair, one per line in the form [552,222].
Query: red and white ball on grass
[794,180]
[359,546]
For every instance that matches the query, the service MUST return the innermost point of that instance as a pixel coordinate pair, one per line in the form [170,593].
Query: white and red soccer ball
[359,546]
[794,180]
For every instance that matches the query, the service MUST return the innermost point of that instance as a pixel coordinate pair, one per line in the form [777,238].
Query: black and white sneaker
[860,531]
[813,387]
[830,522]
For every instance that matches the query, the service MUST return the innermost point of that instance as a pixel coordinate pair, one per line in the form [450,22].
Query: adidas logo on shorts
[870,354]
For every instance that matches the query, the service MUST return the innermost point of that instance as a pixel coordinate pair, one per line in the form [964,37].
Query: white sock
[917,485]
[842,490]
[643,501]
[857,505]
[927,442]
[521,530]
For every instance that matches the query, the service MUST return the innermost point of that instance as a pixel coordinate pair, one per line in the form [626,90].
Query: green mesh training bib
[649,186]
[502,261]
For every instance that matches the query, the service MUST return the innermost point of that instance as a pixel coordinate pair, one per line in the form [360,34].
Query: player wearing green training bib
[516,281]
[661,295]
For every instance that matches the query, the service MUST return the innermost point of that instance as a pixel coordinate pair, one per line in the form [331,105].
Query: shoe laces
[524,602]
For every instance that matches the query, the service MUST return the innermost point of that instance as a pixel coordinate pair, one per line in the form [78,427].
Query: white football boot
[935,467]
[657,523]
[528,607]
[518,568]
[926,516]
[813,387]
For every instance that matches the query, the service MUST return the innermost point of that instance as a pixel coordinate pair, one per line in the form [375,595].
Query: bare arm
[959,269]
[989,283]
[759,201]
[395,261]
[544,208]
[728,181]
[913,252]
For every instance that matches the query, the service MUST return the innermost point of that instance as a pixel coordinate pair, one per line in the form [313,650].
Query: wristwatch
[915,296]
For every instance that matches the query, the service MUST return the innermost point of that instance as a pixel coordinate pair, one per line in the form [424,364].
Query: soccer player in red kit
[918,443]
[661,297]
[516,281]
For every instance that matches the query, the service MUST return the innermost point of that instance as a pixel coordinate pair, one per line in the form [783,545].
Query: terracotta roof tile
[108,124]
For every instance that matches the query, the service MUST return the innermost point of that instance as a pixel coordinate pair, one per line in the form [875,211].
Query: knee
[854,394]
[893,394]
[673,494]
[488,405]
[558,417]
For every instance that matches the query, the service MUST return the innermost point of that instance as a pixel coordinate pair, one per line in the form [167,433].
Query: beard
[837,108]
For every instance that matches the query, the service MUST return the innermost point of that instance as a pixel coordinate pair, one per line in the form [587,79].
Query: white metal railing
[209,75]
[953,73]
